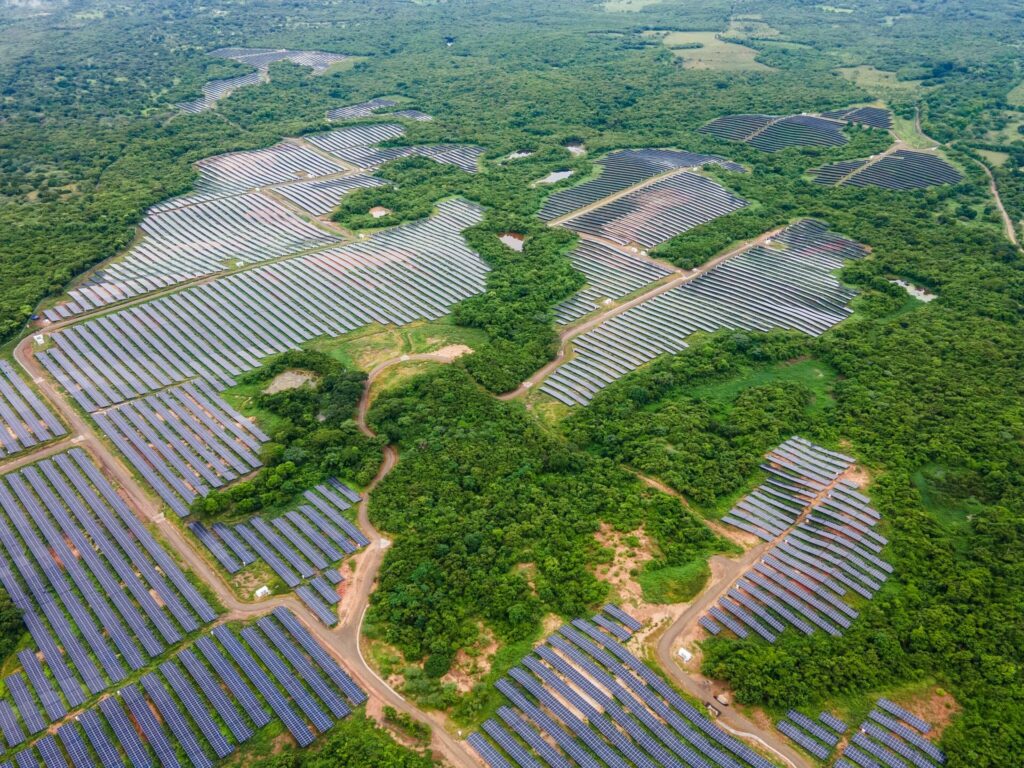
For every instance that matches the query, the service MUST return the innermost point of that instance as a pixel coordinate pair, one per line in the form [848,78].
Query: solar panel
[125,732]
[226,709]
[150,726]
[320,656]
[487,752]
[284,676]
[101,743]
[71,737]
[196,706]
[9,725]
[52,755]
[300,663]
[27,759]
[241,656]
[241,691]
[30,714]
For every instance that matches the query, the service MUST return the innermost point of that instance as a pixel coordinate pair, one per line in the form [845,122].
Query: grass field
[1008,133]
[906,131]
[995,159]
[626,6]
[813,374]
[878,81]
[750,27]
[712,52]
[676,584]
[1016,96]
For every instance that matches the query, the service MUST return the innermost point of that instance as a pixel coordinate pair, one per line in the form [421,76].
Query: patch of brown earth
[529,572]
[452,352]
[859,475]
[286,380]
[936,708]
[471,664]
[629,557]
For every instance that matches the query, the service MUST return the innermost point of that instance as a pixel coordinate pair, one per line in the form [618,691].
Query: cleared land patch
[706,50]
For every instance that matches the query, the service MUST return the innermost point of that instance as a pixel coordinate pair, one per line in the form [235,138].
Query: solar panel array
[892,737]
[581,698]
[623,169]
[261,58]
[363,109]
[413,114]
[236,172]
[816,739]
[902,169]
[218,330]
[99,595]
[206,700]
[185,441]
[302,547]
[321,196]
[771,133]
[464,156]
[610,274]
[24,419]
[658,212]
[785,284]
[874,117]
[194,240]
[825,549]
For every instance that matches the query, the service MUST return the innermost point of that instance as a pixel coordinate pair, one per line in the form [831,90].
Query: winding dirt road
[343,640]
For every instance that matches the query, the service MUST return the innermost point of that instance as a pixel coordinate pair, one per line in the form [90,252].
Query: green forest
[493,508]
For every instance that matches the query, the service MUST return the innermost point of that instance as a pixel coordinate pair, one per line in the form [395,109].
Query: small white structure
[262,592]
[685,655]
[39,339]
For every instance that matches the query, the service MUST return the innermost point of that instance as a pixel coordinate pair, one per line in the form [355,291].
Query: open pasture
[707,50]
[218,330]
[825,549]
[760,289]
[581,696]
[623,169]
[902,169]
[659,211]
[610,273]
[100,596]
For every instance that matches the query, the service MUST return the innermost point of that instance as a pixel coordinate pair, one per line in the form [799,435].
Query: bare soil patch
[291,379]
[471,664]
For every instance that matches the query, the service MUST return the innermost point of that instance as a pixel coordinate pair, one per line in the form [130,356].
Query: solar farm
[373,107]
[788,283]
[893,737]
[185,441]
[25,421]
[772,133]
[197,706]
[824,548]
[620,170]
[581,698]
[897,170]
[302,547]
[249,207]
[261,59]
[611,274]
[218,330]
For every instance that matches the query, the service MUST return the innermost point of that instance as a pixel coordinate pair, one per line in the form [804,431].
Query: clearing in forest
[706,50]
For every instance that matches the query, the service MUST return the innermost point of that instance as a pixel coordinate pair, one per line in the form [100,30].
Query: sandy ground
[472,664]
[286,380]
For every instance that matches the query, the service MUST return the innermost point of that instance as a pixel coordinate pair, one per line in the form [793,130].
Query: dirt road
[343,640]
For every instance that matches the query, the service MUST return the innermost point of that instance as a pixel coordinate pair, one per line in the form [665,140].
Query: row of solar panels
[99,595]
[658,212]
[25,420]
[902,169]
[372,107]
[818,740]
[891,737]
[760,289]
[582,699]
[623,169]
[302,546]
[220,329]
[803,580]
[199,705]
[771,133]
[185,440]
